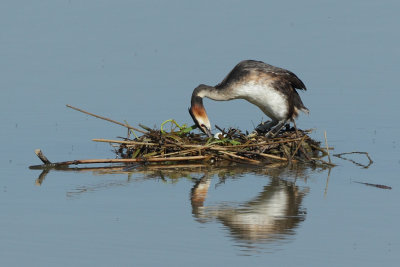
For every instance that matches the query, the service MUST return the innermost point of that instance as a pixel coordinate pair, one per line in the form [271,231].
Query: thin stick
[240,157]
[275,157]
[375,185]
[327,148]
[355,152]
[319,149]
[106,119]
[298,146]
[124,142]
[145,127]
[301,147]
[92,161]
[286,150]
[182,152]
[222,131]
[340,155]
[327,183]
[268,155]
[133,143]
[42,157]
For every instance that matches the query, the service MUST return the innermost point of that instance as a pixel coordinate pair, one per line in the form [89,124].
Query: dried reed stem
[42,157]
[298,146]
[124,142]
[267,155]
[107,119]
[240,157]
[93,161]
[327,148]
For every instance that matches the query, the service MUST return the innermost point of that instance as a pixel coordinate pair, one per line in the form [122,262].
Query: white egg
[219,135]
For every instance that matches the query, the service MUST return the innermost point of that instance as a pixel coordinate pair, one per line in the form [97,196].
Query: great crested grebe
[270,88]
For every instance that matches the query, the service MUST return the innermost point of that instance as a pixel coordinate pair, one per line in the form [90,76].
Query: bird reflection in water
[269,217]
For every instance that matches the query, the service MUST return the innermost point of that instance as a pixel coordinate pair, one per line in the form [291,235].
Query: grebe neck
[219,94]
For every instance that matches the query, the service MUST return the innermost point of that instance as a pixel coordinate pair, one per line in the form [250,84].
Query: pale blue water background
[139,61]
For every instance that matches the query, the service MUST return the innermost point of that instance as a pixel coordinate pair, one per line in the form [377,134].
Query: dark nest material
[180,144]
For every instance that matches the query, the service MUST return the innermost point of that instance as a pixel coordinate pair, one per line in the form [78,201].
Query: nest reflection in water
[269,217]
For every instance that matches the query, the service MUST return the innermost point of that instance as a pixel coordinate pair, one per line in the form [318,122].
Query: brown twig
[124,142]
[93,161]
[327,148]
[240,157]
[381,186]
[298,146]
[106,119]
[340,155]
[268,155]
[42,157]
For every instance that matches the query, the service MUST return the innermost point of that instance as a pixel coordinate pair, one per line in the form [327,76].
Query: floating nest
[181,143]
[181,147]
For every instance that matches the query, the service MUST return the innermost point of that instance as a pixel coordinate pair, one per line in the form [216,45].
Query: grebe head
[200,117]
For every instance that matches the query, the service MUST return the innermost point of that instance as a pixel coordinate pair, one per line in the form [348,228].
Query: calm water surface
[139,61]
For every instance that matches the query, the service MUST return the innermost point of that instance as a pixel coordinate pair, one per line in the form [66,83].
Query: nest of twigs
[181,143]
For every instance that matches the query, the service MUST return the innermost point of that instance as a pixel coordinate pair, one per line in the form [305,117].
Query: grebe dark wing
[246,68]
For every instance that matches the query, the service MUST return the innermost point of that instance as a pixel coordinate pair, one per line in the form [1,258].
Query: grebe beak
[207,131]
